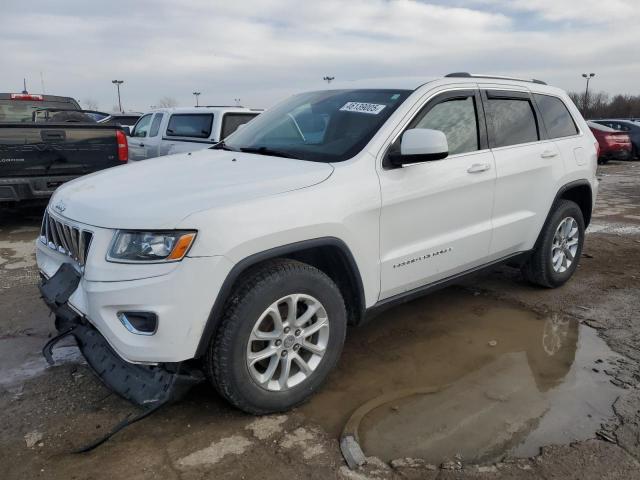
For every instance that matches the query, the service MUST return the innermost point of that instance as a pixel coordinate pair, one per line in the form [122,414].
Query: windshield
[325,126]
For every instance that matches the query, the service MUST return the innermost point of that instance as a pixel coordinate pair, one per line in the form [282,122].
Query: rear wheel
[282,333]
[555,257]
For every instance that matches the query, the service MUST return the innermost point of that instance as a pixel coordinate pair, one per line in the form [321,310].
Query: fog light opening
[139,323]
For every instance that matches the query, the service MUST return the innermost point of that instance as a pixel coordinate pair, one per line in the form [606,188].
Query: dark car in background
[629,127]
[46,140]
[614,145]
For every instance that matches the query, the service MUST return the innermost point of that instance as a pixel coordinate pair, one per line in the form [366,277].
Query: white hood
[159,192]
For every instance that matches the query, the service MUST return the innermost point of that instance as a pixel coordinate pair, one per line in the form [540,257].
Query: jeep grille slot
[65,238]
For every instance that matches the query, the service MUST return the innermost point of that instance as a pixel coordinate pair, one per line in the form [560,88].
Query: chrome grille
[65,238]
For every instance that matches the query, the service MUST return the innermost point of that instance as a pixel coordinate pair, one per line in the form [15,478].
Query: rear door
[435,218]
[139,137]
[527,164]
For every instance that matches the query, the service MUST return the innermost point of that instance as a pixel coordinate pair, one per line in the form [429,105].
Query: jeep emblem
[60,206]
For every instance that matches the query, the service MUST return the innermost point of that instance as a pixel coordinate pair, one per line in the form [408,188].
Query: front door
[138,139]
[436,216]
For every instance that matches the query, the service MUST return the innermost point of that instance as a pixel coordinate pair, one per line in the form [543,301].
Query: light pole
[328,79]
[237,100]
[117,83]
[588,76]
[196,94]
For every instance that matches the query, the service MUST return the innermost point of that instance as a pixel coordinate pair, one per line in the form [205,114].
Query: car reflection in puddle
[507,381]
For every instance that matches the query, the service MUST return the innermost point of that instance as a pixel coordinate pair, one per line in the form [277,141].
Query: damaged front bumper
[144,385]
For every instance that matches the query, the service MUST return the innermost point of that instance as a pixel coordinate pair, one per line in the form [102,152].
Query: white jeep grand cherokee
[254,256]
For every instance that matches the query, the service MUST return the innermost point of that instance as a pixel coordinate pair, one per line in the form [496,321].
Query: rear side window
[555,116]
[194,125]
[231,122]
[155,125]
[511,121]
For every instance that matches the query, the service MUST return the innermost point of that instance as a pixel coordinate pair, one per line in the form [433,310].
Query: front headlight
[134,246]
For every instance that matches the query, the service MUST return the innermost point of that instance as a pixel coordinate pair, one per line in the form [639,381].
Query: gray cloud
[263,50]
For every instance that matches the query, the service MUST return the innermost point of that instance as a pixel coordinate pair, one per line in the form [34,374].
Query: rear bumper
[30,188]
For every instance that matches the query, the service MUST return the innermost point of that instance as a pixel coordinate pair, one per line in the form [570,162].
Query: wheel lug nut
[287,329]
[298,332]
[296,347]
[284,353]
[278,343]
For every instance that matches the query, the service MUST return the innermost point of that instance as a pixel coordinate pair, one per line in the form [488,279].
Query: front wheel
[282,333]
[555,257]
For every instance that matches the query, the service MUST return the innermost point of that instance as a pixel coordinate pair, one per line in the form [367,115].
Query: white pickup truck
[165,131]
[253,256]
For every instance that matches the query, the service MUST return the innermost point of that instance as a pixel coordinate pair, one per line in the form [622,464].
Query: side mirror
[420,145]
[127,130]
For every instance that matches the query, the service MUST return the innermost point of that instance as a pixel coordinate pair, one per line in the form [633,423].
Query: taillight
[26,96]
[123,146]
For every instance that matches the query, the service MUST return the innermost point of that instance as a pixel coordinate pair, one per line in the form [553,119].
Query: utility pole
[328,79]
[117,83]
[24,85]
[586,91]
[196,94]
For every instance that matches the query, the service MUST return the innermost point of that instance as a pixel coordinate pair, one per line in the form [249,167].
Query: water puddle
[22,358]
[460,374]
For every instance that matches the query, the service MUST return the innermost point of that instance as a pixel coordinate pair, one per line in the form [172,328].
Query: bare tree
[600,105]
[167,102]
[90,104]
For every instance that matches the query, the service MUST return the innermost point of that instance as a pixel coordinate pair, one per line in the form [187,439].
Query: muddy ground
[490,379]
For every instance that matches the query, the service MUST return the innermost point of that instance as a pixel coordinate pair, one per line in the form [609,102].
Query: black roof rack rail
[497,77]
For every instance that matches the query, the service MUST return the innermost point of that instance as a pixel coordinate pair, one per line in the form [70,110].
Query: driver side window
[457,119]
[142,127]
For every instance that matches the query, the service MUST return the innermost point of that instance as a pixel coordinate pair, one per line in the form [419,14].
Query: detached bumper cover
[148,386]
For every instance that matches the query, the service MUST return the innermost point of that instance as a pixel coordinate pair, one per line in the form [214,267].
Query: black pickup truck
[46,140]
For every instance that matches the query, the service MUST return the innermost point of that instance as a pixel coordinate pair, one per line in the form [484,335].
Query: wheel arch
[329,254]
[579,192]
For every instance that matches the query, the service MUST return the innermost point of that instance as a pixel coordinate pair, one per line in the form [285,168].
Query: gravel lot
[522,382]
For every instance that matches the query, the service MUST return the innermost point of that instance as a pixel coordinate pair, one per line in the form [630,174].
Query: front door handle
[141,144]
[548,154]
[478,167]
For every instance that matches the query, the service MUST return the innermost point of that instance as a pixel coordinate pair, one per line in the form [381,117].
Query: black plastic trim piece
[217,310]
[400,298]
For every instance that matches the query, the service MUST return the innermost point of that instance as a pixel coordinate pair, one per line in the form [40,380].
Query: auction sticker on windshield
[372,108]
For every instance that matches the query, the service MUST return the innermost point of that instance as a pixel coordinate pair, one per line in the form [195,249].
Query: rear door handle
[548,154]
[141,144]
[478,167]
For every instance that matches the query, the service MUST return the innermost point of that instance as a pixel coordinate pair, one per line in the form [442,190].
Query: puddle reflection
[516,381]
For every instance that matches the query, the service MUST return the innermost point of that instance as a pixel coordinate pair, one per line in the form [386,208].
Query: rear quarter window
[556,116]
[192,125]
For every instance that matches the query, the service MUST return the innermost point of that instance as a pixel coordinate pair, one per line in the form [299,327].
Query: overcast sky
[263,50]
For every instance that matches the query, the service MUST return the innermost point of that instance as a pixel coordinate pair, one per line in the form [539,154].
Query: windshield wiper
[223,146]
[268,151]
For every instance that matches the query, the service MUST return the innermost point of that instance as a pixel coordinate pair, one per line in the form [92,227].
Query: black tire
[539,267]
[225,362]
